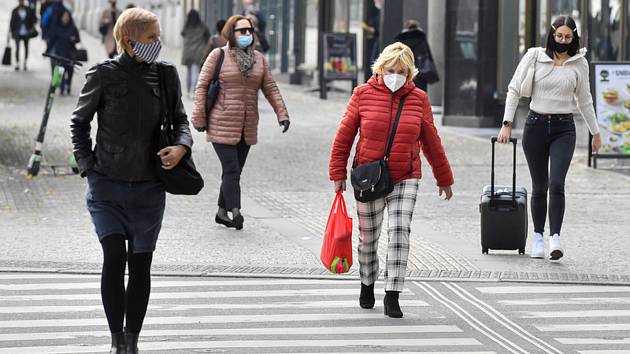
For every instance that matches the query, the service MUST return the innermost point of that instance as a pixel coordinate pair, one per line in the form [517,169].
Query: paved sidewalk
[287,195]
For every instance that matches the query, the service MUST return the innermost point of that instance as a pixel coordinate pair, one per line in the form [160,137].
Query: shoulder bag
[214,87]
[184,178]
[528,82]
[373,180]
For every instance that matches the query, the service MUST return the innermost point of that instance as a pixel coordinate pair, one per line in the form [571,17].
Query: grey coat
[195,40]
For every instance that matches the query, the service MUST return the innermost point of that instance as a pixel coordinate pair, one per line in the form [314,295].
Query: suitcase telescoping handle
[513,141]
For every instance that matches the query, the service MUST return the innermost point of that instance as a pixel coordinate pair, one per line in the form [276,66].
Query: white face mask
[394,81]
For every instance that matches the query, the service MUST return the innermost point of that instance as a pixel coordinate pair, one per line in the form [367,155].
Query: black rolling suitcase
[503,213]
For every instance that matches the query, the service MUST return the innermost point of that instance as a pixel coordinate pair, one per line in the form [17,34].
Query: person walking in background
[415,38]
[250,8]
[371,112]
[232,123]
[106,28]
[22,25]
[62,40]
[262,45]
[196,36]
[49,12]
[125,198]
[559,80]
[216,40]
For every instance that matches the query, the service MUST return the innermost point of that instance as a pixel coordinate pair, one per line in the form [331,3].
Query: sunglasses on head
[245,30]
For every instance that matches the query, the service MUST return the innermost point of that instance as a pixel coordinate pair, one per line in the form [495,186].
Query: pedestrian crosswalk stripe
[215,306]
[178,284]
[592,341]
[145,346]
[555,289]
[200,319]
[42,276]
[576,314]
[242,332]
[406,352]
[195,294]
[583,327]
[568,301]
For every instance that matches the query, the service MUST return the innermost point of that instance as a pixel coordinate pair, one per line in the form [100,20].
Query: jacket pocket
[116,96]
[110,152]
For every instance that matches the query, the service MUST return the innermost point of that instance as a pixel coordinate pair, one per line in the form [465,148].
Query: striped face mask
[147,52]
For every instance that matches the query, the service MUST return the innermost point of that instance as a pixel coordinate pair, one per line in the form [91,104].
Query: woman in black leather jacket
[125,198]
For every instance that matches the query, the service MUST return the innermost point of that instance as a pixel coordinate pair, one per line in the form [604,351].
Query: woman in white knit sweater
[557,79]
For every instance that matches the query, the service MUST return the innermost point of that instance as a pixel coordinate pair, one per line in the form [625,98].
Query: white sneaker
[556,250]
[538,249]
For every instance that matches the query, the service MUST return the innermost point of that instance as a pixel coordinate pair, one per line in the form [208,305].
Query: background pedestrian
[125,198]
[22,25]
[62,40]
[196,36]
[216,40]
[371,112]
[232,124]
[559,79]
[416,39]
[106,28]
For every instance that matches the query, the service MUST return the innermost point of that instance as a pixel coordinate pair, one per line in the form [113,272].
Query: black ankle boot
[392,309]
[118,343]
[366,299]
[131,341]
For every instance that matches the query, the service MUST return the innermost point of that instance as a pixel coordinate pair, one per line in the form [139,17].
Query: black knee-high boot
[118,344]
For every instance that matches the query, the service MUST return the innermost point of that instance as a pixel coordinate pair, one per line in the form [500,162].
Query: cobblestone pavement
[287,195]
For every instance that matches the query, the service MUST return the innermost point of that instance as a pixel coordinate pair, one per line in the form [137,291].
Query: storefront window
[627,33]
[522,25]
[605,30]
[567,7]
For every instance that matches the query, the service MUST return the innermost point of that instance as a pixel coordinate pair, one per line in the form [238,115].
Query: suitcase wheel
[484,250]
[521,251]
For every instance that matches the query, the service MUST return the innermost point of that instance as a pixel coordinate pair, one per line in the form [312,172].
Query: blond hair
[131,23]
[394,54]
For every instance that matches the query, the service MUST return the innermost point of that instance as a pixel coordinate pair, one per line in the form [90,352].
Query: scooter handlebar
[63,59]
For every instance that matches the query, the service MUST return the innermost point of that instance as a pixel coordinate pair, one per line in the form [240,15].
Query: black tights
[116,301]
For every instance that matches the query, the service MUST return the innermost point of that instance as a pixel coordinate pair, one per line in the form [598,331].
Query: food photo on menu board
[612,92]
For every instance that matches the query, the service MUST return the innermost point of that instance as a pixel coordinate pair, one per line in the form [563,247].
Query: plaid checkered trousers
[400,204]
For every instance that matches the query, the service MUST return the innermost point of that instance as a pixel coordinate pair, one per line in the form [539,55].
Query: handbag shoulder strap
[217,68]
[390,141]
[166,122]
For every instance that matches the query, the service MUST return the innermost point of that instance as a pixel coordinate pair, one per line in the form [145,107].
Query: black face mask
[562,47]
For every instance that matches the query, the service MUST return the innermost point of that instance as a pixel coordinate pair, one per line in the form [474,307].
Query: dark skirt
[132,209]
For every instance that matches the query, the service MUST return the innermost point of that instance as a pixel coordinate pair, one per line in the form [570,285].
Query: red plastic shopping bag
[337,247]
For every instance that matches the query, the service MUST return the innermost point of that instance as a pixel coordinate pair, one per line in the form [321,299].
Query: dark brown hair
[228,29]
[551,42]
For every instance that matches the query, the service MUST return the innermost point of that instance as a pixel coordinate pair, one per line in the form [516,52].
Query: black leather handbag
[214,87]
[6,57]
[427,69]
[184,178]
[373,180]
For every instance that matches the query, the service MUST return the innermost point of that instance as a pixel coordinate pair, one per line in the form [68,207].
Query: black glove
[201,130]
[285,124]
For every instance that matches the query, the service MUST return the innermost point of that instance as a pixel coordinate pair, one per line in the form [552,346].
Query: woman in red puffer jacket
[371,111]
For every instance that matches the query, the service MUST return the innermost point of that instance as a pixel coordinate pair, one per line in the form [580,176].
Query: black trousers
[17,49]
[548,143]
[118,302]
[232,159]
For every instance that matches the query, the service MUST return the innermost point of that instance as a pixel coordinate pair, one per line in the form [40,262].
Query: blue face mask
[244,41]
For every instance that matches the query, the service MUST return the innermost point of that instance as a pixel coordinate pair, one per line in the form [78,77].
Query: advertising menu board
[340,56]
[612,104]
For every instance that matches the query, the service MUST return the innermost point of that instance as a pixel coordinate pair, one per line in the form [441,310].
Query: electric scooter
[36,158]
